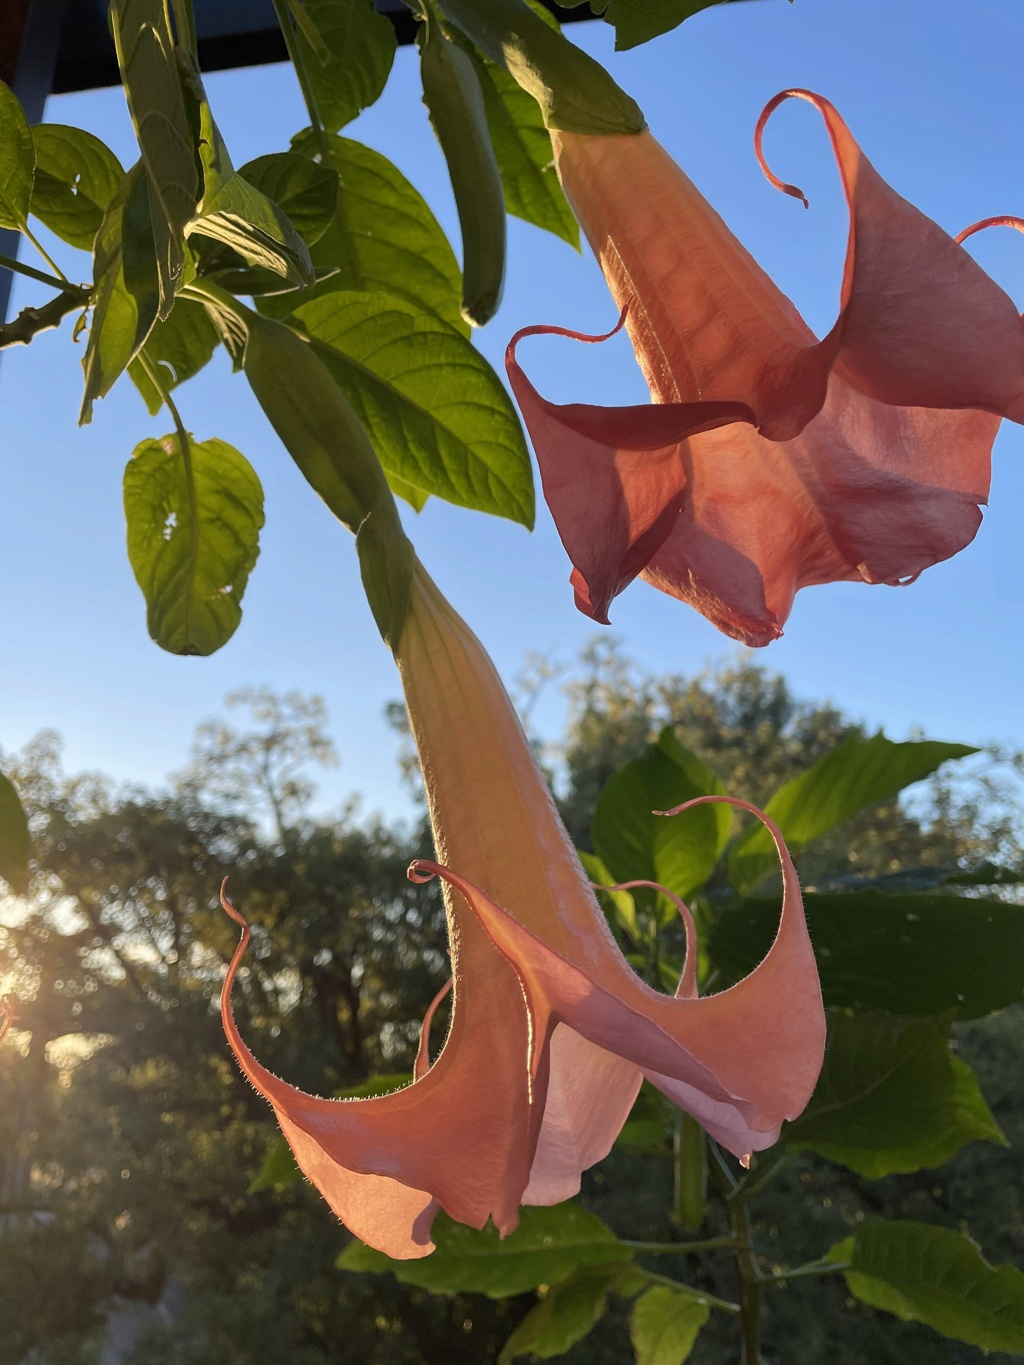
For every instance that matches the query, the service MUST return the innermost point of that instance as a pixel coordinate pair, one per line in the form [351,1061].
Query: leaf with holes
[17,162]
[933,1275]
[437,414]
[164,115]
[383,237]
[349,67]
[77,177]
[126,295]
[193,538]
[304,190]
[665,1324]
[548,1245]
[858,774]
[14,838]
[179,348]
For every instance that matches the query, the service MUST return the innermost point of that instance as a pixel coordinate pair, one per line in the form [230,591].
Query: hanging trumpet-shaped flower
[771,460]
[551,1031]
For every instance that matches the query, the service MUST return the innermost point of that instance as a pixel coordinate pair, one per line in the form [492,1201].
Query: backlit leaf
[933,1275]
[566,1313]
[17,161]
[436,413]
[858,774]
[383,238]
[76,179]
[14,838]
[359,45]
[179,347]
[548,1245]
[665,1324]
[304,190]
[637,21]
[193,538]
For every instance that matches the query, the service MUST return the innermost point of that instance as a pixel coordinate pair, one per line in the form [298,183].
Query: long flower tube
[771,460]
[551,1031]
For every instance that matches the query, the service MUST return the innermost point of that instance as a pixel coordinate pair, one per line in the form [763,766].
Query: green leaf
[665,1324]
[383,237]
[179,348]
[126,295]
[548,1245]
[637,21]
[360,48]
[906,954]
[237,213]
[564,1316]
[77,177]
[858,774]
[922,1273]
[436,413]
[633,842]
[14,838]
[621,904]
[522,146]
[887,1102]
[305,191]
[193,538]
[165,124]
[17,162]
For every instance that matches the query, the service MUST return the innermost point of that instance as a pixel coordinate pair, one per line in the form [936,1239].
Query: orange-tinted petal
[841,475]
[740,1062]
[458,1138]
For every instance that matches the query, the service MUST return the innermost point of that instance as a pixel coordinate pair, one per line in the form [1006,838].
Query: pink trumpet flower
[770,460]
[551,1030]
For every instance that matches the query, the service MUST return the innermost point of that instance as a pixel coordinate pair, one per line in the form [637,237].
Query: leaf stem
[805,1272]
[757,1179]
[679,1248]
[184,446]
[725,1304]
[20,268]
[284,20]
[62,278]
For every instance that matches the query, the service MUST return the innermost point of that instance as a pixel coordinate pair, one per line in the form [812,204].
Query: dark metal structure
[55,46]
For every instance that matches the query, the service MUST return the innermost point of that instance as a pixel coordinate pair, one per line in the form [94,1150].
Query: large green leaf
[891,1098]
[164,118]
[178,347]
[436,413]
[349,67]
[859,773]
[383,237]
[76,179]
[906,954]
[238,214]
[665,1324]
[14,838]
[306,191]
[126,297]
[922,1273]
[17,161]
[566,1313]
[637,21]
[678,852]
[194,518]
[548,1245]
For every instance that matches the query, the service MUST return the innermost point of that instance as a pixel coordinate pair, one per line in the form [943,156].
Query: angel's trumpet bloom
[771,460]
[551,1031]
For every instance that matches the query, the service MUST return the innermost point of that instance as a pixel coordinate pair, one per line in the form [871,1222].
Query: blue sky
[932,90]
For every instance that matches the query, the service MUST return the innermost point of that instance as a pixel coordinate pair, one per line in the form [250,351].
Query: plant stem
[749,1282]
[30,321]
[756,1180]
[679,1248]
[805,1272]
[284,20]
[9,263]
[691,1172]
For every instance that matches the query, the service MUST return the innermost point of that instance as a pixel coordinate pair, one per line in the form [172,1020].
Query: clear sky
[932,90]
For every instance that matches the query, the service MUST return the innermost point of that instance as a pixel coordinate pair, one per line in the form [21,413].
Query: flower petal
[740,1062]
[459,1138]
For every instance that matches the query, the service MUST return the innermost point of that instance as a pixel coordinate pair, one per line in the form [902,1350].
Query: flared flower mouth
[551,1031]
[771,460]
